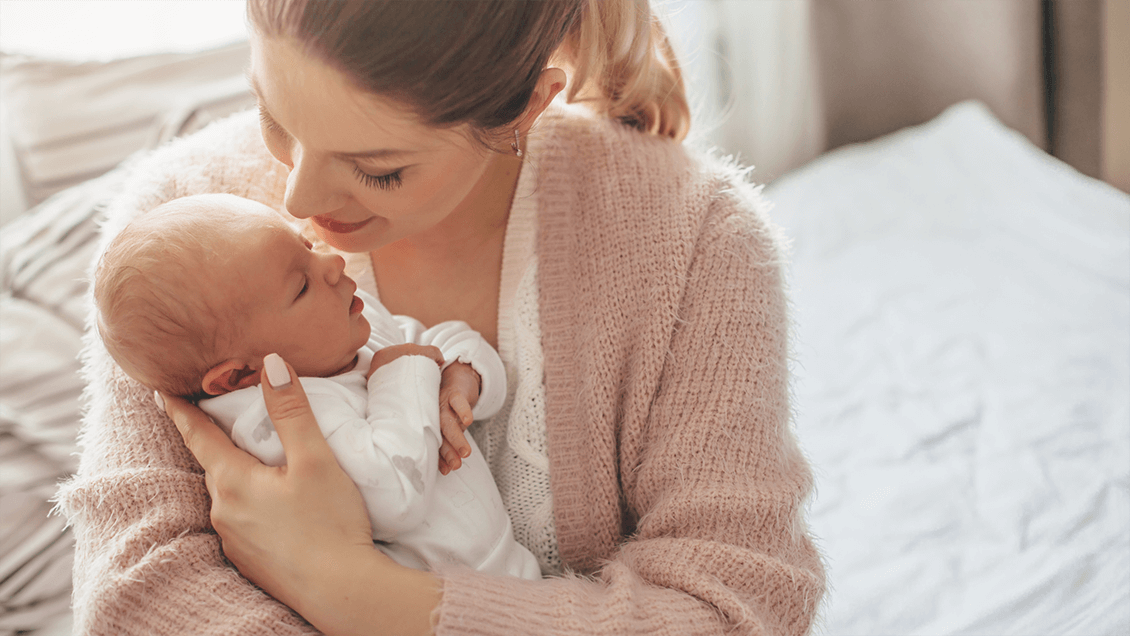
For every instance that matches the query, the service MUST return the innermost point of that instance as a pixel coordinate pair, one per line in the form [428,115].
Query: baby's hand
[458,393]
[388,354]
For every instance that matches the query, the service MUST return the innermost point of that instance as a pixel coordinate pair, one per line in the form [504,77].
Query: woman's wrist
[363,591]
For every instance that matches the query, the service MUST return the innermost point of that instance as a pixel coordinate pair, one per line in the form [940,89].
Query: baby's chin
[345,364]
[349,366]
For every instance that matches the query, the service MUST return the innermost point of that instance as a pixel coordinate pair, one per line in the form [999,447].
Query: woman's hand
[458,394]
[300,531]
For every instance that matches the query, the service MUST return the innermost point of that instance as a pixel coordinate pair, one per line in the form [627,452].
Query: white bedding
[962,307]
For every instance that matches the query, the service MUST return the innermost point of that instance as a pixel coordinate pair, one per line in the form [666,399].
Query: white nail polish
[277,373]
[159,400]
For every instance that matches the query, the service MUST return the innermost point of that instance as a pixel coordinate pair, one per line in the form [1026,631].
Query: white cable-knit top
[514,440]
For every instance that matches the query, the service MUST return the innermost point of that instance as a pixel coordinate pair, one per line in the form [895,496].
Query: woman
[634,290]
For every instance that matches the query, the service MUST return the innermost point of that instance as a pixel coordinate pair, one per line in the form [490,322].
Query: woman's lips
[339,227]
[356,306]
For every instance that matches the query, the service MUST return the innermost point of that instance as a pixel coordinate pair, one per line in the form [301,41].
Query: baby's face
[297,303]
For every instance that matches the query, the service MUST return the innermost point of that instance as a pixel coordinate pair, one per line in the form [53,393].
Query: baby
[192,295]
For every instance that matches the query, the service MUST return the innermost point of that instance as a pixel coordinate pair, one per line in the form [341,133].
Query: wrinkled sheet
[962,311]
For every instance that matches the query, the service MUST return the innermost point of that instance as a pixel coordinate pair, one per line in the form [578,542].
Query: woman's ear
[229,375]
[550,83]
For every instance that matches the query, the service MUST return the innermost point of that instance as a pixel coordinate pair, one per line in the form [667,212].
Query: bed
[962,361]
[962,307]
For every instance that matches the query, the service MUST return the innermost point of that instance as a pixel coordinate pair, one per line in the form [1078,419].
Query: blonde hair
[624,65]
[153,312]
[477,62]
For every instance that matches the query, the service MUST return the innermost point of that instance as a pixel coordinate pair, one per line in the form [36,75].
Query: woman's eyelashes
[388,181]
[382,182]
[270,124]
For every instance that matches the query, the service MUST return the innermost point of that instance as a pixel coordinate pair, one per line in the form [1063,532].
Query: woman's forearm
[360,591]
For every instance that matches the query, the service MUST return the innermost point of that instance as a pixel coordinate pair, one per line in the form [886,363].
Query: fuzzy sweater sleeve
[710,535]
[147,561]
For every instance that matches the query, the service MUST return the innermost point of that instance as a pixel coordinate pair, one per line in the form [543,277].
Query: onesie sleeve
[401,434]
[458,342]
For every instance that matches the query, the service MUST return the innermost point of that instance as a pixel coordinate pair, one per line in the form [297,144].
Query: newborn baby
[192,295]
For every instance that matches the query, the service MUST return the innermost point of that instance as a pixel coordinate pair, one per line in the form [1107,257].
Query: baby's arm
[458,342]
[465,396]
[403,425]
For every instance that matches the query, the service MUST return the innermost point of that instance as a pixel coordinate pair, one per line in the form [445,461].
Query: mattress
[961,304]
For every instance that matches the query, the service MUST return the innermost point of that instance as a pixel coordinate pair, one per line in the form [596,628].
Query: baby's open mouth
[356,306]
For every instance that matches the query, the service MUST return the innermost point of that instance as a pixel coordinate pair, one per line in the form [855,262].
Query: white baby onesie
[385,434]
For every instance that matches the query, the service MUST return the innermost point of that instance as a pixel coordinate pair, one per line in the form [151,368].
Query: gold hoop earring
[516,144]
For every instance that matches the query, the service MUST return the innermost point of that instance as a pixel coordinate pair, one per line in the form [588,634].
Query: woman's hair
[477,62]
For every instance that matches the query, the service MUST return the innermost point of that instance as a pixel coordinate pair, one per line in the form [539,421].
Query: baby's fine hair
[151,295]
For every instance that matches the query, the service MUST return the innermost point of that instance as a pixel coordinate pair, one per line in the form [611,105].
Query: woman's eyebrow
[382,153]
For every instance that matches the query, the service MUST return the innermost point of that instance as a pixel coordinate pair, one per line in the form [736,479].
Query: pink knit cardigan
[679,489]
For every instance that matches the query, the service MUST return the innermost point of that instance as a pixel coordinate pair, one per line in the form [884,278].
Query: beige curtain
[888,64]
[1036,63]
[780,81]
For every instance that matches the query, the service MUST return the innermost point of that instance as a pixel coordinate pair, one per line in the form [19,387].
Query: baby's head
[193,294]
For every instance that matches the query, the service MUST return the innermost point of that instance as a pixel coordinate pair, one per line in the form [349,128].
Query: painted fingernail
[277,373]
[159,400]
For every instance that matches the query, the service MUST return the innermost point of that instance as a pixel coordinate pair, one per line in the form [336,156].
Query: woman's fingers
[210,445]
[290,411]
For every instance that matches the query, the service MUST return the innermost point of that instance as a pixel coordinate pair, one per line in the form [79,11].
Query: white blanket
[962,303]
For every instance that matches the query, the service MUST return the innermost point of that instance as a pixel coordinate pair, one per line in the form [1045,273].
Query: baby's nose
[334,269]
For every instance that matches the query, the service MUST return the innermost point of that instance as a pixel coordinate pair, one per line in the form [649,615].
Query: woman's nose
[310,189]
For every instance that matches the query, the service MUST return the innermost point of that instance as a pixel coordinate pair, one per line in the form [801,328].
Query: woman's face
[363,168]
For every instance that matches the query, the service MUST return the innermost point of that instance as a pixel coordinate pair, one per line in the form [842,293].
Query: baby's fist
[458,394]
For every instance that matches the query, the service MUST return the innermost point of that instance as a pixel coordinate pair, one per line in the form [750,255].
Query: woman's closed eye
[270,124]
[382,181]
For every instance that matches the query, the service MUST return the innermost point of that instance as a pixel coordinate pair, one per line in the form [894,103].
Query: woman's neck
[452,271]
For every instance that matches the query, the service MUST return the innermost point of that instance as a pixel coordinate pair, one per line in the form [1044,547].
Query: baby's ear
[228,376]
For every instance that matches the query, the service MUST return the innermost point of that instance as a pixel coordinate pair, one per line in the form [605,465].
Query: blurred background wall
[780,81]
